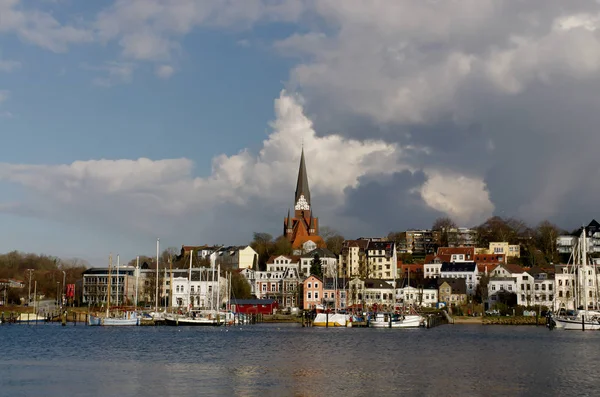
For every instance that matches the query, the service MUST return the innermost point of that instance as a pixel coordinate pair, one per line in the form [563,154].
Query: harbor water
[288,360]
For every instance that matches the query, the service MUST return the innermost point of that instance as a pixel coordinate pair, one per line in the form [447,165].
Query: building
[369,257]
[122,282]
[312,292]
[461,270]
[433,263]
[202,291]
[254,306]
[234,257]
[371,294]
[452,291]
[416,293]
[302,230]
[352,262]
[329,262]
[419,242]
[335,293]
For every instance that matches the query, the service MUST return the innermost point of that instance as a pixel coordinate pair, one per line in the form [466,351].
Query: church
[302,230]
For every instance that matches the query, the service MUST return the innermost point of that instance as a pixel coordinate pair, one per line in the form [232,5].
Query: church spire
[302,184]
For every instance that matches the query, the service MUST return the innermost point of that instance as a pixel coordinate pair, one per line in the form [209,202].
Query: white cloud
[8,65]
[150,29]
[147,194]
[465,199]
[165,71]
[40,28]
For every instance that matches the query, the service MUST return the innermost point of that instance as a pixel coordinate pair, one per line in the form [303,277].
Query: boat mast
[137,275]
[157,276]
[118,263]
[170,281]
[108,291]
[218,302]
[190,281]
[584,267]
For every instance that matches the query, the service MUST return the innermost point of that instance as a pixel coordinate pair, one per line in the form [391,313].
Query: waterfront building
[416,293]
[312,292]
[335,293]
[371,294]
[254,306]
[302,229]
[452,291]
[96,281]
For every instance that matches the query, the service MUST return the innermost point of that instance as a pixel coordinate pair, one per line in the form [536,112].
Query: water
[288,360]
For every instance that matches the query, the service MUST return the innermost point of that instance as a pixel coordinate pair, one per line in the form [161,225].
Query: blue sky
[127,120]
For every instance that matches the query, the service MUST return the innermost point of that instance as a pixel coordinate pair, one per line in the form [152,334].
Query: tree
[262,244]
[546,240]
[240,288]
[442,228]
[316,266]
[281,246]
[332,238]
[502,230]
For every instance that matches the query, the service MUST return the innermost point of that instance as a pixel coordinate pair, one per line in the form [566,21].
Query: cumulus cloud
[145,194]
[40,28]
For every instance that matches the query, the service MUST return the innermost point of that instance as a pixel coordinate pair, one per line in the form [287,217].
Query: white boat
[332,320]
[196,318]
[125,319]
[587,317]
[391,320]
[583,319]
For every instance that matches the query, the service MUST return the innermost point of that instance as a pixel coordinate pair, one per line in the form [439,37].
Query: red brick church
[303,227]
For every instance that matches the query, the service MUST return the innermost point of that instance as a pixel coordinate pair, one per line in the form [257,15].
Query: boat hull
[331,320]
[129,320]
[574,324]
[410,321]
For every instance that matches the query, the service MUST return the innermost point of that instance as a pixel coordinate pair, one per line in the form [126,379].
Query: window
[522,287]
[309,284]
[309,295]
[316,295]
[316,285]
[537,287]
[560,294]
[510,287]
[549,287]
[325,295]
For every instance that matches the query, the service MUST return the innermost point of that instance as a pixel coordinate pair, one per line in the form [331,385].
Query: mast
[170,281]
[137,275]
[157,276]
[118,263]
[584,268]
[108,291]
[190,281]
[218,302]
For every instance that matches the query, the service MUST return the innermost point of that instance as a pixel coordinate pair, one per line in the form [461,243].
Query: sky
[124,121]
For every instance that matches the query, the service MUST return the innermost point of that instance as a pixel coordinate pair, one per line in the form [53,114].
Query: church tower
[303,226]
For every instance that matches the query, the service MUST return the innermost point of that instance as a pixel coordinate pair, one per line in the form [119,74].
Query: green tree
[316,266]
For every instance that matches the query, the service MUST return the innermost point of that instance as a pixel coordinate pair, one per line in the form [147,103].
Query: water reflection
[285,360]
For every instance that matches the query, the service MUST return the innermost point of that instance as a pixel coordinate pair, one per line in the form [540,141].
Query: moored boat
[392,320]
[331,320]
[195,318]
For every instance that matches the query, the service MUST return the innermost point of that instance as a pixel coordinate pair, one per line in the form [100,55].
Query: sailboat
[583,318]
[127,318]
[195,317]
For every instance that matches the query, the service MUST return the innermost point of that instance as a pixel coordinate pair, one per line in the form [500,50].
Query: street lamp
[57,291]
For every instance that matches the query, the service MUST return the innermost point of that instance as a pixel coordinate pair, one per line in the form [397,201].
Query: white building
[329,262]
[424,296]
[466,270]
